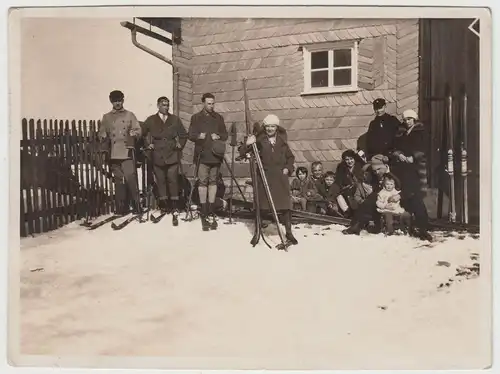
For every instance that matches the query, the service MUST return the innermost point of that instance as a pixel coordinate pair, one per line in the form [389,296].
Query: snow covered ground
[331,302]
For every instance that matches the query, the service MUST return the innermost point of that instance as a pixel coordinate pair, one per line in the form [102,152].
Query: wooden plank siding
[268,53]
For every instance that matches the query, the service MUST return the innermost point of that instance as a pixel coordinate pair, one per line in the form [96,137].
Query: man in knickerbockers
[381,131]
[166,137]
[119,129]
[208,132]
[278,160]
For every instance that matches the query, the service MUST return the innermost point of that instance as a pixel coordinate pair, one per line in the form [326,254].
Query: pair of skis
[256,169]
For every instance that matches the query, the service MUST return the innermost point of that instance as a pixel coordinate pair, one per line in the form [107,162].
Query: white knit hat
[410,113]
[271,119]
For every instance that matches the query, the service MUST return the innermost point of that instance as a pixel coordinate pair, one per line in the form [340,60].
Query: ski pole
[453,213]
[463,156]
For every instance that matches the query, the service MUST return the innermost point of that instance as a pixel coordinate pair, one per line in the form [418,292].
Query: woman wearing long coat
[408,163]
[277,160]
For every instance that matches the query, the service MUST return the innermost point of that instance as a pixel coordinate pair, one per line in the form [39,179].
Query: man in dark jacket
[166,137]
[208,132]
[118,131]
[381,131]
[367,211]
[277,160]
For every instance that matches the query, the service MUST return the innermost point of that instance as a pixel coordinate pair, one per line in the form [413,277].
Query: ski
[156,219]
[127,221]
[257,169]
[95,225]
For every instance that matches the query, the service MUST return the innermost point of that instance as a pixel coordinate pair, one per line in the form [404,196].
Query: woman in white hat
[408,163]
[278,160]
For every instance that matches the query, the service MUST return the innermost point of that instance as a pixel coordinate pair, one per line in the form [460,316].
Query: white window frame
[330,47]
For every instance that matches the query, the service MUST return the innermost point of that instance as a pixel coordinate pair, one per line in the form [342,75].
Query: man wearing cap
[208,132]
[277,160]
[119,129]
[367,211]
[381,131]
[166,137]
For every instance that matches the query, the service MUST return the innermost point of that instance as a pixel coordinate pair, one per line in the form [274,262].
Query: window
[331,68]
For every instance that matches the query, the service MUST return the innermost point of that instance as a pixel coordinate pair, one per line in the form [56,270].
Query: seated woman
[349,172]
[408,163]
[300,185]
[329,191]
[388,204]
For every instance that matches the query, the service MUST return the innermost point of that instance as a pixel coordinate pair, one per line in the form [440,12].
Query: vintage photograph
[231,188]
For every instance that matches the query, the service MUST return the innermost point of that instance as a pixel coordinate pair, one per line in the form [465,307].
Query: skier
[208,132]
[166,137]
[277,160]
[117,133]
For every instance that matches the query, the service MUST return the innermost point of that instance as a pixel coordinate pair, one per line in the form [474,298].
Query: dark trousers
[415,204]
[125,178]
[367,210]
[167,180]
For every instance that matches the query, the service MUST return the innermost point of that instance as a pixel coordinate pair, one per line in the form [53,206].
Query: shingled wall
[217,53]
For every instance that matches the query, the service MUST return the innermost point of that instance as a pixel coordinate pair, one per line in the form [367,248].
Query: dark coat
[413,176]
[329,193]
[380,135]
[208,123]
[274,160]
[347,179]
[301,188]
[163,137]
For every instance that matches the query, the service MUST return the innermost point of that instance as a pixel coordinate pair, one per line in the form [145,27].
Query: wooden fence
[64,179]
[62,176]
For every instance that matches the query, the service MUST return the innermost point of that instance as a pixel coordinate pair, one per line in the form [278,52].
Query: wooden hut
[320,77]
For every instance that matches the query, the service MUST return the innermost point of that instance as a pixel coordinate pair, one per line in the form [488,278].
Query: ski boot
[205,225]
[291,239]
[175,217]
[175,213]
[354,229]
[213,218]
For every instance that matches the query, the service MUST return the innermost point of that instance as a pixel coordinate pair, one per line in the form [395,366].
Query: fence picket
[27,173]
[34,153]
[51,191]
[64,176]
[41,167]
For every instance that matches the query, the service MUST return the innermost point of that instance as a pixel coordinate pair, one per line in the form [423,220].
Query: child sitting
[300,186]
[388,203]
[329,192]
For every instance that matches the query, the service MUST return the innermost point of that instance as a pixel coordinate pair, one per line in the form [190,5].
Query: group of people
[383,185]
[378,186]
[164,138]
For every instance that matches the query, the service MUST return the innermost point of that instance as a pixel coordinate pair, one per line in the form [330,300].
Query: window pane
[341,57]
[319,78]
[319,60]
[342,77]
